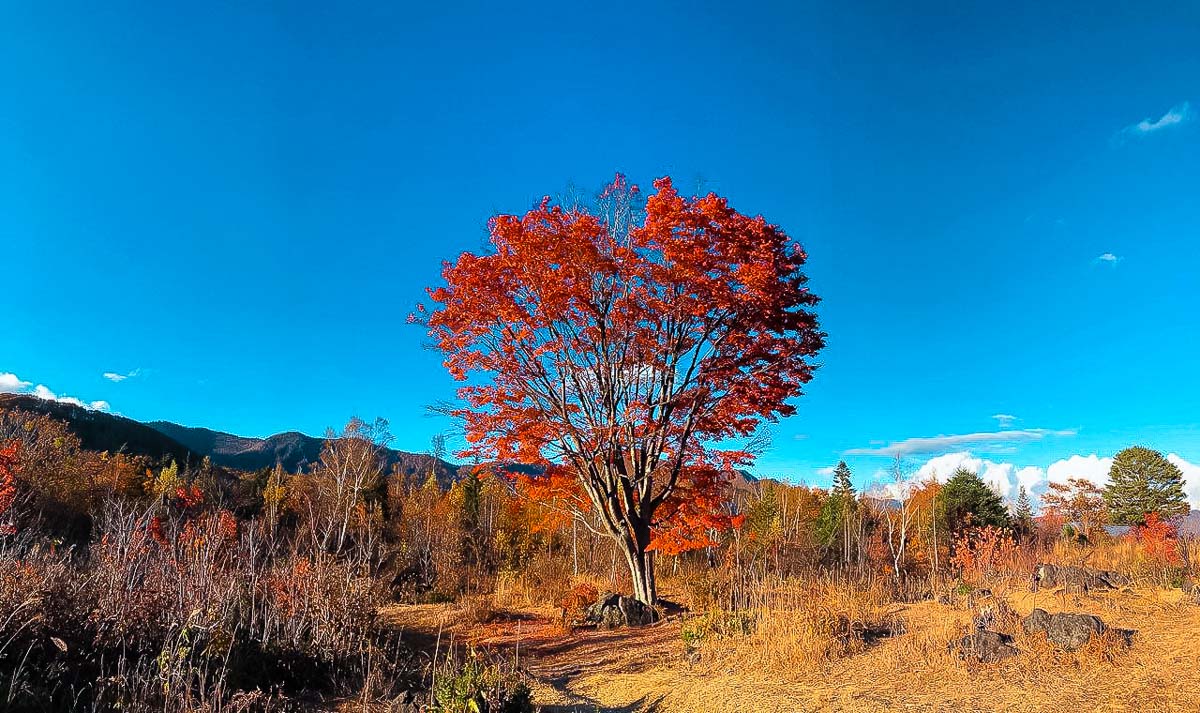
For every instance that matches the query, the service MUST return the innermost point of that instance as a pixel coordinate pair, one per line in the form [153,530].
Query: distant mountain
[100,431]
[294,451]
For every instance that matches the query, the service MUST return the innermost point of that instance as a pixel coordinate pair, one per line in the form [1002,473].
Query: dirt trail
[644,670]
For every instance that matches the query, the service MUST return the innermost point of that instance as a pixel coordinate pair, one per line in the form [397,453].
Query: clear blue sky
[242,202]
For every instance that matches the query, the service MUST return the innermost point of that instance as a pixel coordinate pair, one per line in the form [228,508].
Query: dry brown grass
[798,624]
[792,661]
[913,671]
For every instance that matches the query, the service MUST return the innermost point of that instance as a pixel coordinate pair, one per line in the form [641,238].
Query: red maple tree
[622,347]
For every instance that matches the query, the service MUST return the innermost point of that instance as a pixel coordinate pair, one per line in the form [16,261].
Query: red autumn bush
[1159,540]
[981,552]
[8,486]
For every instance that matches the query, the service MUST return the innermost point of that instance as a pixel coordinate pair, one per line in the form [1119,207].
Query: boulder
[1076,579]
[1066,630]
[984,646]
[611,611]
[1191,588]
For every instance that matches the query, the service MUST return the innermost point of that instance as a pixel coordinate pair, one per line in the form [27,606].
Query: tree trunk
[641,566]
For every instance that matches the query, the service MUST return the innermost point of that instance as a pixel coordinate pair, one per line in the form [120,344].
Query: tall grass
[188,614]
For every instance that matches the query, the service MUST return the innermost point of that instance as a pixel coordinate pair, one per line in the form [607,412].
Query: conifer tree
[966,501]
[841,480]
[1141,481]
[842,507]
[1023,512]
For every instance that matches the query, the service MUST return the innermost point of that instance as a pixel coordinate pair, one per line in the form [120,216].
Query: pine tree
[843,504]
[470,547]
[1023,513]
[966,501]
[841,480]
[1141,481]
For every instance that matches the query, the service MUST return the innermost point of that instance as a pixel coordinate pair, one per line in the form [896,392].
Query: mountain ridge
[102,431]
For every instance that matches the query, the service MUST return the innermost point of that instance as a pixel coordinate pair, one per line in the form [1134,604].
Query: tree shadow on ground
[586,705]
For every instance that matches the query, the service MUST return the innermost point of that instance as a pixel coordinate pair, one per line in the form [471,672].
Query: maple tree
[1078,500]
[622,346]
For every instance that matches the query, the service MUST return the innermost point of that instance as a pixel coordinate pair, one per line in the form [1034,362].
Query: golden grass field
[789,662]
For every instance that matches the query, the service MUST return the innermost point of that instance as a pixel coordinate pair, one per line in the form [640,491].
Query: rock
[1191,588]
[616,610]
[1066,630]
[1076,579]
[984,646]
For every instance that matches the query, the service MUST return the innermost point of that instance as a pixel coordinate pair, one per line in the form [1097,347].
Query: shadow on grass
[586,705]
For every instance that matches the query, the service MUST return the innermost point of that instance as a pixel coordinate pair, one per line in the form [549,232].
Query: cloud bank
[1006,478]
[11,384]
[935,444]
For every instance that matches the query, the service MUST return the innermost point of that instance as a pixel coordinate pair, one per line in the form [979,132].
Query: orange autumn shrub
[980,553]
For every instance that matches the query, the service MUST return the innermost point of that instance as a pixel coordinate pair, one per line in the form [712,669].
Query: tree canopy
[966,501]
[1141,481]
[618,346]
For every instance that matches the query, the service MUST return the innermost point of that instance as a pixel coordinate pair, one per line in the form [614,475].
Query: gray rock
[612,611]
[1066,630]
[1076,579]
[984,646]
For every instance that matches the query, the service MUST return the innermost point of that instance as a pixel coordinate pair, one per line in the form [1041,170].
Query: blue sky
[238,204]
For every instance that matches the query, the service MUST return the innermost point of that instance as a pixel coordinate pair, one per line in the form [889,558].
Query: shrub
[475,684]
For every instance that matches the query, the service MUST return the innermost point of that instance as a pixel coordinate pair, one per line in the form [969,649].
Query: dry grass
[793,660]
[913,671]
[798,624]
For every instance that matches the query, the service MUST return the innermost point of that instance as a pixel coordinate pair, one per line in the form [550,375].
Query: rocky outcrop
[1075,579]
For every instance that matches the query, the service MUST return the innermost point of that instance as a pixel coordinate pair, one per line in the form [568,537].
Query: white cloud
[826,471]
[1175,116]
[1004,419]
[1007,478]
[1109,258]
[117,378]
[9,383]
[1191,479]
[934,444]
[1093,468]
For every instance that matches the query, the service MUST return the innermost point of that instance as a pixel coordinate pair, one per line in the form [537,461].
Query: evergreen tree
[1023,513]
[841,480]
[966,501]
[1141,481]
[470,521]
[835,523]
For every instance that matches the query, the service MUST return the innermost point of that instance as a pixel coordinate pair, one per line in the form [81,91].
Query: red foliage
[189,497]
[617,353]
[155,528]
[8,485]
[979,552]
[1160,539]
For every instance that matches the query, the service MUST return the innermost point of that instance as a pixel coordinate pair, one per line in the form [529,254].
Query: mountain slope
[294,451]
[100,431]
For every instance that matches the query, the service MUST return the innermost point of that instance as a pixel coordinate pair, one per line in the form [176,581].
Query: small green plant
[716,625]
[476,685]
